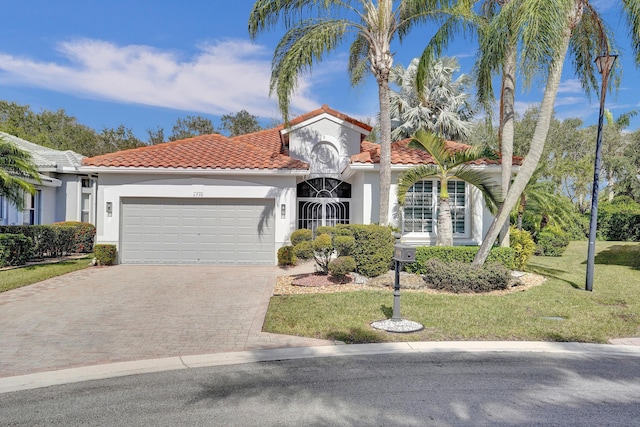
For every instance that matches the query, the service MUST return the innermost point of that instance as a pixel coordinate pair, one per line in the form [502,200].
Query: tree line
[61,131]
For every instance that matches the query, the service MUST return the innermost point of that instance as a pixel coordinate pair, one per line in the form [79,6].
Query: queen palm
[448,165]
[16,170]
[545,35]
[442,107]
[315,28]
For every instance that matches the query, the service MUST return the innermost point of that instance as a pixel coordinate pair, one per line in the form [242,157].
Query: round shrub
[286,256]
[342,266]
[105,254]
[324,229]
[373,248]
[301,235]
[523,245]
[304,250]
[460,277]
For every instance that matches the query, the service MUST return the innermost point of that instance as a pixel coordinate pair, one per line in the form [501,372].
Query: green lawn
[558,310]
[18,277]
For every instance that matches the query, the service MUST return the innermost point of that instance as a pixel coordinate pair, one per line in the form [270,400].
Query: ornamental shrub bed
[461,277]
[15,249]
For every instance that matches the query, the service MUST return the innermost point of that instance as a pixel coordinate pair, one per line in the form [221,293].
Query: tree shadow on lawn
[355,336]
[624,255]
[553,273]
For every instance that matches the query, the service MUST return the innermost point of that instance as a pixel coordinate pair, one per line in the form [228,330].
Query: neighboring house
[218,200]
[64,193]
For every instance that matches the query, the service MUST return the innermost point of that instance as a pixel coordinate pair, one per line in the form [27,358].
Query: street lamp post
[604,64]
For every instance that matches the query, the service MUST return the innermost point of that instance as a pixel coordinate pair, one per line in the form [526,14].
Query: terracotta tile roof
[202,152]
[402,154]
[269,139]
[326,109]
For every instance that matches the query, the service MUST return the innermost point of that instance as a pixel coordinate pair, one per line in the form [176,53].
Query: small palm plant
[17,170]
[448,164]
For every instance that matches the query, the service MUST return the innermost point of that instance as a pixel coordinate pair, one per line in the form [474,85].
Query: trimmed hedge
[15,249]
[301,235]
[57,239]
[551,242]
[105,254]
[619,219]
[464,254]
[372,249]
[83,235]
[462,277]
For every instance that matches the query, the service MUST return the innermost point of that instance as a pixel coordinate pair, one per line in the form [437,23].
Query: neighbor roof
[44,157]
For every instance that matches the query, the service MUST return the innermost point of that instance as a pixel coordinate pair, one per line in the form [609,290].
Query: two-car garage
[197,231]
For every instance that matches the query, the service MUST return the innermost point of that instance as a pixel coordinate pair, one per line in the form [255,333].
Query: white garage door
[197,231]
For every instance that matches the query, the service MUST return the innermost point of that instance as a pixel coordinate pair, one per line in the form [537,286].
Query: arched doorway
[323,202]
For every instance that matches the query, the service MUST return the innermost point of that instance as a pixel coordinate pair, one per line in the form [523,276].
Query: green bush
[301,235]
[343,244]
[460,277]
[105,254]
[64,241]
[83,236]
[322,252]
[466,254]
[15,249]
[619,219]
[324,229]
[304,250]
[342,266]
[551,242]
[42,236]
[287,256]
[373,248]
[523,245]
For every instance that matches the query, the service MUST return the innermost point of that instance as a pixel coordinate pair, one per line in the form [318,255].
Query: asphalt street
[435,389]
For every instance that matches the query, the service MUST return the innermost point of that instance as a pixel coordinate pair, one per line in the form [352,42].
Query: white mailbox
[404,253]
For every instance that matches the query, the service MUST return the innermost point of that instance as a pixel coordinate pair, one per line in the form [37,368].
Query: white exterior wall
[68,201]
[113,187]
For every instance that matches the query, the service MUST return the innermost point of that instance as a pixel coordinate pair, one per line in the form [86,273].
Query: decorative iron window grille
[323,202]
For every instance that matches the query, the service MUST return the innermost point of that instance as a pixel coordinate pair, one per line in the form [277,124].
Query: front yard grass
[558,310]
[18,277]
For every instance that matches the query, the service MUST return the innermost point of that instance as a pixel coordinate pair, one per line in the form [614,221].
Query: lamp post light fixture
[604,63]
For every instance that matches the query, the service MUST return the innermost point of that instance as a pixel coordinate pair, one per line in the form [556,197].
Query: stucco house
[64,193]
[218,200]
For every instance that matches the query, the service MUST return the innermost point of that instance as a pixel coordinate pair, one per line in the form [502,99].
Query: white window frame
[31,208]
[433,205]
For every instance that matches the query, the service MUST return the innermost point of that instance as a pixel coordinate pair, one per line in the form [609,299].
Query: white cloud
[570,86]
[223,77]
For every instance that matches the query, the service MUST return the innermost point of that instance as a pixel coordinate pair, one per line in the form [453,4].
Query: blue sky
[145,63]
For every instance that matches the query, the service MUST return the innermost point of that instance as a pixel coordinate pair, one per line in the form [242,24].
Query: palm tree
[545,36]
[16,168]
[315,28]
[448,165]
[442,107]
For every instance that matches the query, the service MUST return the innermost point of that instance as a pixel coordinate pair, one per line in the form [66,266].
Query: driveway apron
[134,312]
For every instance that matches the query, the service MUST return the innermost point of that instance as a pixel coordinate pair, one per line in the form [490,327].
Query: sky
[145,63]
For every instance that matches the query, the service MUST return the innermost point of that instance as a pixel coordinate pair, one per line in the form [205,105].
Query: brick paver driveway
[131,312]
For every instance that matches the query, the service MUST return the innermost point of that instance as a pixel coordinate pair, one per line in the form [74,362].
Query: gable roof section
[325,109]
[46,158]
[402,154]
[213,151]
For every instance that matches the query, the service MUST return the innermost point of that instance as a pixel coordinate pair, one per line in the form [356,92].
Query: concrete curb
[87,373]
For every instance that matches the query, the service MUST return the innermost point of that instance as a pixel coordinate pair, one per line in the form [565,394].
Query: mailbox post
[401,253]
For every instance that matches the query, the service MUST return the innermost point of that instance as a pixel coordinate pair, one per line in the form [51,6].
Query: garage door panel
[207,231]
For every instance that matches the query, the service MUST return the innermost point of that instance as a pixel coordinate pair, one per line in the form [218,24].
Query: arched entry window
[323,201]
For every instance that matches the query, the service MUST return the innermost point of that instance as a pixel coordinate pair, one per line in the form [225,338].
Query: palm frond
[298,50]
[490,189]
[631,10]
[408,178]
[16,170]
[358,59]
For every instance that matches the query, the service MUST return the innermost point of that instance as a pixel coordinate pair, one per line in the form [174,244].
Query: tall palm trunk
[385,149]
[507,120]
[445,230]
[535,152]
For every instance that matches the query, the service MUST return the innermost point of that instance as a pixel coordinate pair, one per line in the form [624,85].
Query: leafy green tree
[614,149]
[544,36]
[442,107]
[240,123]
[191,126]
[315,28]
[16,169]
[156,136]
[448,165]
[629,183]
[117,139]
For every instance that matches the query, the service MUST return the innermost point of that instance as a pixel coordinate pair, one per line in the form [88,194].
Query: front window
[421,206]
[30,212]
